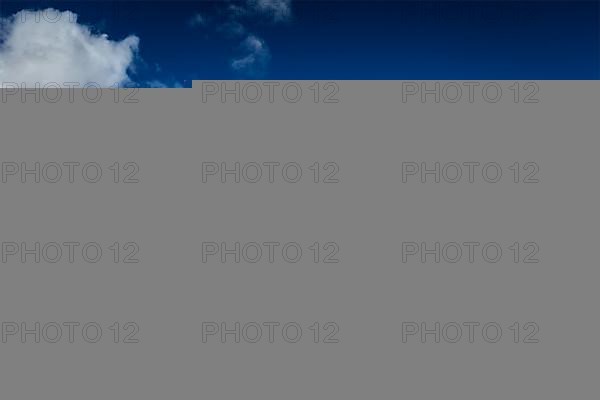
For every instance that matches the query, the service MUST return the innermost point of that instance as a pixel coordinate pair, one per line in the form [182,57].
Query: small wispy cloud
[157,84]
[232,28]
[236,11]
[255,59]
[198,20]
[234,21]
[277,10]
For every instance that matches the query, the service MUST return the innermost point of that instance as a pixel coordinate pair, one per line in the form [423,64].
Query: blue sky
[173,43]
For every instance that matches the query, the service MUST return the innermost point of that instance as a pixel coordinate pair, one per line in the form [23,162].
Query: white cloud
[256,58]
[278,10]
[60,50]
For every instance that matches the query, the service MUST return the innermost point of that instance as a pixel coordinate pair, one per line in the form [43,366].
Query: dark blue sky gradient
[360,39]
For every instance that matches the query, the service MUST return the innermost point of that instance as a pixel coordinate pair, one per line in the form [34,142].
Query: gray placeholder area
[301,240]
